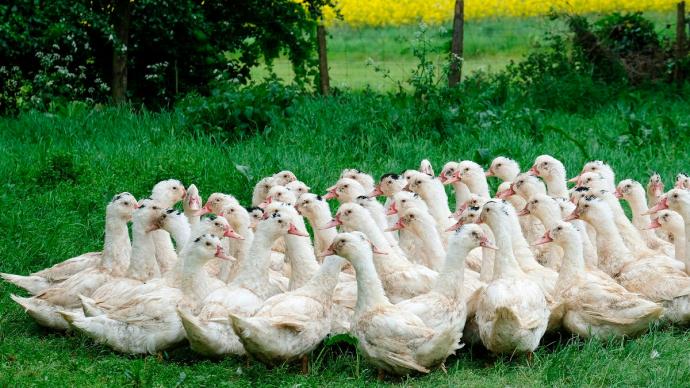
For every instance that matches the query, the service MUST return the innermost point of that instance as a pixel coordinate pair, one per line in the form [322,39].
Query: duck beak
[618,194]
[377,251]
[327,252]
[574,179]
[661,205]
[398,225]
[392,210]
[489,173]
[575,215]
[377,192]
[533,171]
[546,238]
[221,255]
[484,242]
[232,234]
[265,203]
[332,224]
[455,226]
[331,193]
[524,211]
[654,224]
[505,194]
[204,210]
[296,232]
[453,179]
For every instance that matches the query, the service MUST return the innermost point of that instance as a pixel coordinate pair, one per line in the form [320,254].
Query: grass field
[490,44]
[59,170]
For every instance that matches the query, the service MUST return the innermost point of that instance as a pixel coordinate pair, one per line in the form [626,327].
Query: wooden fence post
[456,47]
[121,23]
[681,43]
[323,60]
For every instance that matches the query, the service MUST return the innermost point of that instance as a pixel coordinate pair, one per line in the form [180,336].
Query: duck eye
[174,188]
[675,195]
[217,224]
[559,228]
[125,203]
[499,165]
[280,221]
[348,212]
[208,244]
[403,201]
[345,186]
[586,205]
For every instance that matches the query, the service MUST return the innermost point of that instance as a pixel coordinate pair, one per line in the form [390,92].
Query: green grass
[490,44]
[59,170]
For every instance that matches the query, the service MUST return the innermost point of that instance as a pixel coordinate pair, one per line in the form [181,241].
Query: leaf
[340,338]
[245,171]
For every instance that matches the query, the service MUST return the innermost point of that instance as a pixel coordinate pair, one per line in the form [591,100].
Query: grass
[490,44]
[60,169]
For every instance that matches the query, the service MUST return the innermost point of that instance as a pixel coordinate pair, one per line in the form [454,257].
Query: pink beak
[204,210]
[296,232]
[533,171]
[484,242]
[265,203]
[572,216]
[442,177]
[331,194]
[506,193]
[574,179]
[453,179]
[221,255]
[489,172]
[618,194]
[398,225]
[455,226]
[661,205]
[333,223]
[392,210]
[377,192]
[546,238]
[523,212]
[327,252]
[377,251]
[654,224]
[232,234]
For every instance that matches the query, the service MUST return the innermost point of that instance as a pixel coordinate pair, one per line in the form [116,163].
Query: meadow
[60,168]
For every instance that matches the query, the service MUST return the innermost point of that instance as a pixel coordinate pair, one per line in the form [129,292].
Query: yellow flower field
[396,12]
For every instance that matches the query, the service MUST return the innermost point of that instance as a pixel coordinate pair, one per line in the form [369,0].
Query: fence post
[681,43]
[456,47]
[121,23]
[323,60]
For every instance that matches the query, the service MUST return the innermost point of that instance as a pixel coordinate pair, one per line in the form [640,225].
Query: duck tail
[33,284]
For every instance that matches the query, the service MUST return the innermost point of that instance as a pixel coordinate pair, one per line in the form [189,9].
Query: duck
[599,167]
[298,188]
[192,204]
[472,174]
[633,192]
[394,340]
[316,210]
[503,168]
[400,278]
[364,179]
[431,191]
[216,202]
[462,192]
[239,229]
[378,214]
[44,306]
[260,191]
[678,200]
[446,303]
[527,186]
[407,241]
[209,330]
[346,190]
[682,181]
[655,189]
[512,313]
[552,171]
[116,243]
[166,193]
[656,278]
[288,326]
[594,306]
[481,262]
[672,224]
[255,215]
[148,323]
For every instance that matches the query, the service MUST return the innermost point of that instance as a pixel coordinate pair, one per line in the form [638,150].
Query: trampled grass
[59,170]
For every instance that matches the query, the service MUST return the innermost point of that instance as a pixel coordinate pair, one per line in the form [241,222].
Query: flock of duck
[410,279]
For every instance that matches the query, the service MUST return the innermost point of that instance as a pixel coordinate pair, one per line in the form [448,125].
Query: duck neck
[384,263]
[573,263]
[194,280]
[143,265]
[322,284]
[612,252]
[556,185]
[462,193]
[180,233]
[165,250]
[486,272]
[589,250]
[631,235]
[478,185]
[638,206]
[322,237]
[369,288]
[300,253]
[193,219]
[521,248]
[239,248]
[254,270]
[437,201]
[117,248]
[431,244]
[505,265]
[548,217]
[452,277]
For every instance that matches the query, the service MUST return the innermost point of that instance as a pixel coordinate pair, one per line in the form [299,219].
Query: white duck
[595,306]
[298,188]
[633,192]
[599,167]
[552,171]
[315,209]
[473,176]
[678,200]
[655,189]
[149,323]
[346,190]
[401,279]
[462,192]
[503,168]
[655,278]
[673,225]
[192,204]
[210,332]
[432,192]
[166,193]
[288,326]
[392,339]
[261,190]
[511,311]
[364,179]
[116,241]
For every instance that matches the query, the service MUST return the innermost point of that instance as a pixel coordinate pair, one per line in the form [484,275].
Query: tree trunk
[323,60]
[456,48]
[121,24]
[681,44]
